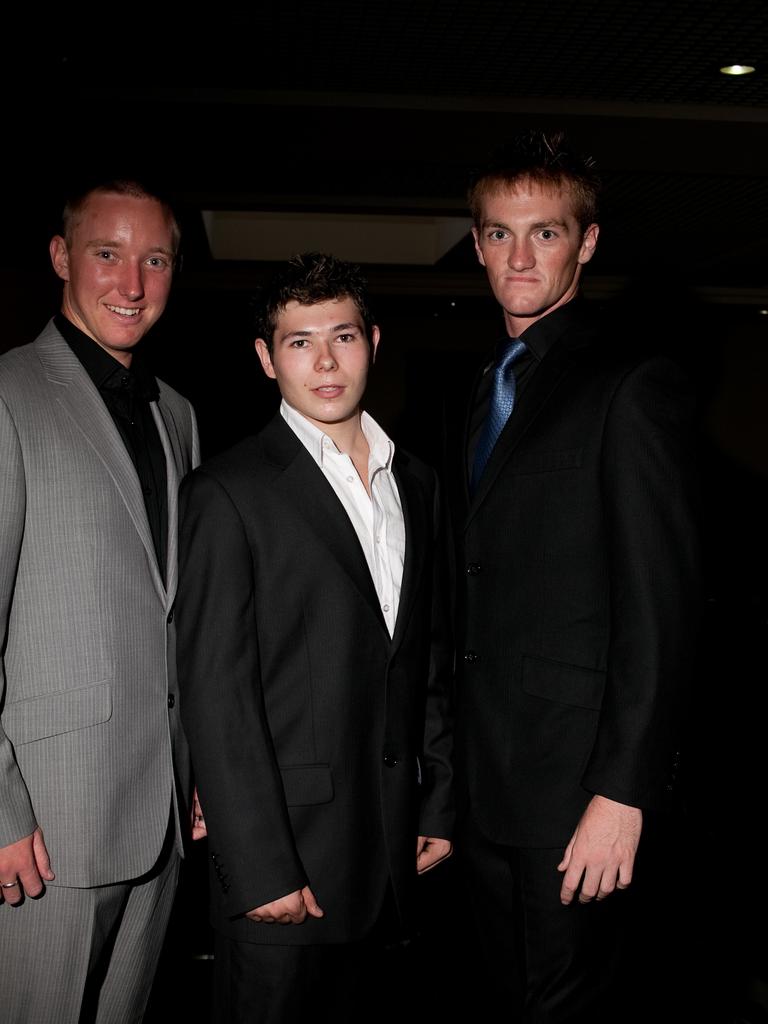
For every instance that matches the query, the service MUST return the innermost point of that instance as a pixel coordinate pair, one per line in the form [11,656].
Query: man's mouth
[328,389]
[124,310]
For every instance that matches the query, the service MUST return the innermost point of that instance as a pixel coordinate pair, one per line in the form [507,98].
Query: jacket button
[390,760]
[471,656]
[171,700]
[473,569]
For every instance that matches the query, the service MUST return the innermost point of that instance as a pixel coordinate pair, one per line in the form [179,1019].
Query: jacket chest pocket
[546,462]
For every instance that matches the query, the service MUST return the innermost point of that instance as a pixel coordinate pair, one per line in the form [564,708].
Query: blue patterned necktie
[502,403]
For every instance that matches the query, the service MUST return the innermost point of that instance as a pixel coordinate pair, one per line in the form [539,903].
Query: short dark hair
[309,278]
[545,159]
[115,186]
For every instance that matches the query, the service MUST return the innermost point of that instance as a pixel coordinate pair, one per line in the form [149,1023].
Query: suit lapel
[313,498]
[418,532]
[174,462]
[80,400]
[464,472]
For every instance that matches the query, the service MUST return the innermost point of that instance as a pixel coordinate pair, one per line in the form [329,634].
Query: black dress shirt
[127,392]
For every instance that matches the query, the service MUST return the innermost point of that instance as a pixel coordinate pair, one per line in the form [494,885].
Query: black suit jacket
[578,591]
[319,743]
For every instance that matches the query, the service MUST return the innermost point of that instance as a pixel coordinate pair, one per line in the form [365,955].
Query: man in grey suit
[93,764]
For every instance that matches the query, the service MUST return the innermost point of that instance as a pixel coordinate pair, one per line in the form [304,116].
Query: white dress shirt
[378,518]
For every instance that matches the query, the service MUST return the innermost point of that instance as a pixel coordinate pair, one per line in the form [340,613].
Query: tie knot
[511,351]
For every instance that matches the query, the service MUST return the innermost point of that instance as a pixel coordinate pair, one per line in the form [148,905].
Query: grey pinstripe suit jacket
[87,739]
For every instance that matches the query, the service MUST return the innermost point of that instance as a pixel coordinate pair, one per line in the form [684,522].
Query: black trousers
[255,983]
[545,963]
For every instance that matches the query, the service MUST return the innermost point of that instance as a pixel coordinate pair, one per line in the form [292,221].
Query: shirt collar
[382,449]
[542,335]
[104,370]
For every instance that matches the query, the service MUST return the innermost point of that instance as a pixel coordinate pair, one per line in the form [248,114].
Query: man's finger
[11,891]
[312,906]
[294,918]
[571,882]
[625,874]
[608,884]
[568,890]
[42,858]
[590,885]
[565,862]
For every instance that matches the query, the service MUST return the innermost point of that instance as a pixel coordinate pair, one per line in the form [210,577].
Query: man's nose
[521,255]
[325,357]
[132,281]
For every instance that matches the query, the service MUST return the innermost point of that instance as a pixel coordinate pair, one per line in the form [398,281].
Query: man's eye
[498,235]
[299,343]
[346,337]
[104,254]
[547,235]
[157,261]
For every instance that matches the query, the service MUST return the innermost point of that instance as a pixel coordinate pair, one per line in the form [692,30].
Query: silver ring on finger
[8,885]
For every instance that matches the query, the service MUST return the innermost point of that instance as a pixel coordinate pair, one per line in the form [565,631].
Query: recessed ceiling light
[737,69]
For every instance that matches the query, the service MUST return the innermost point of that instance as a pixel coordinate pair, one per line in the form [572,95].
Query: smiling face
[117,267]
[320,359]
[533,249]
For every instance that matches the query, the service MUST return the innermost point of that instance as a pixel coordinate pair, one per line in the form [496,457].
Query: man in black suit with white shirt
[313,665]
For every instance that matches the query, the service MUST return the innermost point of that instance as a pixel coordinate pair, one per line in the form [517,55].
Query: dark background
[383,108]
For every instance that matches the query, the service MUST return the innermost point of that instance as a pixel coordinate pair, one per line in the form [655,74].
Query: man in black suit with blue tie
[577,598]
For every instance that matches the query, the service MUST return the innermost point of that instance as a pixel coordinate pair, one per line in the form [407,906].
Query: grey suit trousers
[96,950]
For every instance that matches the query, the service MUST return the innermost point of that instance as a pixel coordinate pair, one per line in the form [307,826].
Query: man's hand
[601,853]
[430,852]
[27,865]
[199,831]
[290,909]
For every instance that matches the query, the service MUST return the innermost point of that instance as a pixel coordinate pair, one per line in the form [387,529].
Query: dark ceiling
[384,107]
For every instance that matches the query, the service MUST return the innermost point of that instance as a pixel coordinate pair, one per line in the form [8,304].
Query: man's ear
[375,339]
[59,257]
[264,358]
[589,243]
[476,236]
